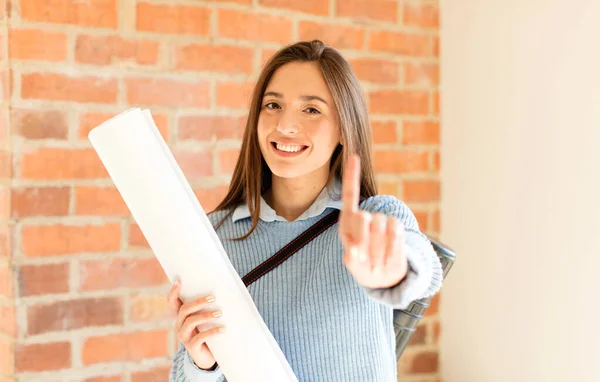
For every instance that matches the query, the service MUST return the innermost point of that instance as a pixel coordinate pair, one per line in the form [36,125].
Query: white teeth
[288,148]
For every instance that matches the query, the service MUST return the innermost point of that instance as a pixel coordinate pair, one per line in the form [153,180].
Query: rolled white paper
[185,244]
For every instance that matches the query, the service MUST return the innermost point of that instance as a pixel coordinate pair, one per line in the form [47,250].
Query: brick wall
[81,297]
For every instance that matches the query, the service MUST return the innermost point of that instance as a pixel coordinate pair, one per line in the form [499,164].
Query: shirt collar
[330,197]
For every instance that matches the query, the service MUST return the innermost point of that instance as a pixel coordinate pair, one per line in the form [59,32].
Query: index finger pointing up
[351,184]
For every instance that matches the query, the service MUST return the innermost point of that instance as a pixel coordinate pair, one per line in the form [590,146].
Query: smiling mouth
[288,148]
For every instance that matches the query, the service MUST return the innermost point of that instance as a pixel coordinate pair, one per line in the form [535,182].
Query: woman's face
[298,127]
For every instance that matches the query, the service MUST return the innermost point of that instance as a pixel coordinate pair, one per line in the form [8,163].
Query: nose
[288,124]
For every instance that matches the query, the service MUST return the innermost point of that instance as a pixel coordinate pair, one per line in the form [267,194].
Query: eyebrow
[303,97]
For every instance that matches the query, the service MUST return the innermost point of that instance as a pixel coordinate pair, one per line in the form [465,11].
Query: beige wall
[520,188]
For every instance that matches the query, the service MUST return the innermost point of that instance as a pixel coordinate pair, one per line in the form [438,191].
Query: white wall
[521,190]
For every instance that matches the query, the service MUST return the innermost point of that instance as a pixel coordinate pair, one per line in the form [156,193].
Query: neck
[290,197]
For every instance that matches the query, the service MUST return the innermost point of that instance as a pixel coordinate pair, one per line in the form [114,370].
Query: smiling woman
[306,155]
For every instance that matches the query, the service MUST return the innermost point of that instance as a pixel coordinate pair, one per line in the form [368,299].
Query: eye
[312,110]
[272,105]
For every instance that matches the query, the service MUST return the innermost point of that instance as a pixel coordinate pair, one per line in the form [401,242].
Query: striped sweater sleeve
[185,370]
[424,276]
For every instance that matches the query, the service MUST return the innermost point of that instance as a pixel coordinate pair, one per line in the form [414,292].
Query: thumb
[173,298]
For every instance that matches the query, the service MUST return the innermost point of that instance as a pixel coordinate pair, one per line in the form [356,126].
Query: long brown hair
[252,177]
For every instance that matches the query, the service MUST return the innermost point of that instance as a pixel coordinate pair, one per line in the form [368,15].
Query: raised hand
[373,243]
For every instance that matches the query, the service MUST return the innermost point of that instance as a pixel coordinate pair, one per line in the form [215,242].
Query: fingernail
[222,329]
[210,298]
[217,314]
[177,282]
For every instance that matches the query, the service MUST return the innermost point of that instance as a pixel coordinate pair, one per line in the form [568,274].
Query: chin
[289,171]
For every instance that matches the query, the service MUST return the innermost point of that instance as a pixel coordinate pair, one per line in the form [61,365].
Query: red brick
[5,164]
[422,217]
[420,132]
[375,70]
[4,201]
[107,50]
[149,308]
[90,13]
[234,95]
[136,237]
[387,188]
[5,242]
[61,239]
[58,163]
[421,15]
[43,279]
[437,330]
[434,306]
[260,27]
[435,161]
[194,163]
[315,7]
[157,374]
[436,46]
[436,104]
[266,56]
[419,336]
[74,314]
[338,36]
[167,92]
[214,58]
[134,346]
[42,357]
[100,201]
[40,124]
[173,19]
[8,323]
[420,191]
[421,74]
[408,102]
[228,159]
[6,280]
[406,44]
[5,133]
[60,87]
[5,85]
[425,362]
[248,2]
[33,44]
[384,132]
[39,201]
[378,10]
[112,378]
[211,127]
[89,121]
[400,162]
[7,357]
[124,272]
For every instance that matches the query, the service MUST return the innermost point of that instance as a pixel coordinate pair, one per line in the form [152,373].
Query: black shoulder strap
[291,248]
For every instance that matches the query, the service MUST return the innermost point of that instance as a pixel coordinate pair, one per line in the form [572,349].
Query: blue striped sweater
[328,327]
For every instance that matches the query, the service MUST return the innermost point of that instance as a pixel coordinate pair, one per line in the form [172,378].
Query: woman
[308,142]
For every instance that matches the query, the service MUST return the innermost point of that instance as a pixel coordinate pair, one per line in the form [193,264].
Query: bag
[405,321]
[292,247]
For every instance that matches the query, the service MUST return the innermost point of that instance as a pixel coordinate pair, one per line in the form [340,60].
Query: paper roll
[185,244]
